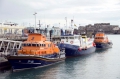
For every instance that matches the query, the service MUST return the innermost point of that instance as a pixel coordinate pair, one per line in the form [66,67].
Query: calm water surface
[102,64]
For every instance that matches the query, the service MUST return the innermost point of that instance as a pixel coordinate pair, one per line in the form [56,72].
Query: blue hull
[75,52]
[72,50]
[104,45]
[27,62]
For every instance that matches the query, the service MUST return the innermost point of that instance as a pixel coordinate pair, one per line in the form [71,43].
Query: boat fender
[71,42]
[79,49]
[94,44]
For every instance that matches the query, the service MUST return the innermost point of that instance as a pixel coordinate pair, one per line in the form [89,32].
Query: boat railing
[8,47]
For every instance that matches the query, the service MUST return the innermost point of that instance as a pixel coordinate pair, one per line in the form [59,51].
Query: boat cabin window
[62,37]
[99,38]
[33,44]
[71,37]
[24,44]
[38,45]
[28,44]
[41,45]
[76,37]
[79,37]
[66,37]
[49,45]
[84,37]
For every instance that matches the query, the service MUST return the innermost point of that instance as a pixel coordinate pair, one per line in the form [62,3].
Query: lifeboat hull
[104,45]
[72,50]
[28,62]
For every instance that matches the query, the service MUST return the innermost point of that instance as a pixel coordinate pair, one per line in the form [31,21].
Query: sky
[60,12]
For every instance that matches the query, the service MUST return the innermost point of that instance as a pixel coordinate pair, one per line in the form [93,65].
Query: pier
[9,44]
[4,65]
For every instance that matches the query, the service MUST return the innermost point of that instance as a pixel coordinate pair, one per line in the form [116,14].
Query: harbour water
[102,64]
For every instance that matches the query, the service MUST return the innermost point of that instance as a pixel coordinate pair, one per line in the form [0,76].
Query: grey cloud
[21,10]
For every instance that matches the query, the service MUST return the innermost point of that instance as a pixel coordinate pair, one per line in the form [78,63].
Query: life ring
[62,41]
[71,42]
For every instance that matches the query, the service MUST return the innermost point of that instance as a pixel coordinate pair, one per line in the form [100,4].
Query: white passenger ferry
[76,45]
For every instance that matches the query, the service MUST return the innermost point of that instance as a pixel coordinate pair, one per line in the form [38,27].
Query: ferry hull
[27,62]
[103,45]
[73,50]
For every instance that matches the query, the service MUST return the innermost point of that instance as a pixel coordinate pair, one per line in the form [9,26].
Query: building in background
[106,27]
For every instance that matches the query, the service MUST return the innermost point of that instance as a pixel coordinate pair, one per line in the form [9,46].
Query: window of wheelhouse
[49,45]
[66,37]
[76,37]
[38,45]
[79,37]
[34,44]
[44,45]
[99,38]
[24,44]
[71,37]
[63,38]
[28,44]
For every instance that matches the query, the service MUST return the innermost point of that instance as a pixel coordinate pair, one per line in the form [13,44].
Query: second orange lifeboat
[101,40]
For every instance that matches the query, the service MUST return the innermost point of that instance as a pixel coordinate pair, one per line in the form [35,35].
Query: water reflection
[102,64]
[101,50]
[63,70]
[74,66]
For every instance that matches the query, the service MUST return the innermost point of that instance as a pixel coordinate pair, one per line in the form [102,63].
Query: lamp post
[35,19]
[66,21]
[59,24]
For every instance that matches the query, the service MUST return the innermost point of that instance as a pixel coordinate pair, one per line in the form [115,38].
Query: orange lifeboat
[36,52]
[101,40]
[36,44]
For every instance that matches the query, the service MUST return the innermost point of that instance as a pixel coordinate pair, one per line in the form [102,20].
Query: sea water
[102,64]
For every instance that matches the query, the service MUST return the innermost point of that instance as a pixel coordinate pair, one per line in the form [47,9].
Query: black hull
[28,62]
[104,45]
[75,52]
